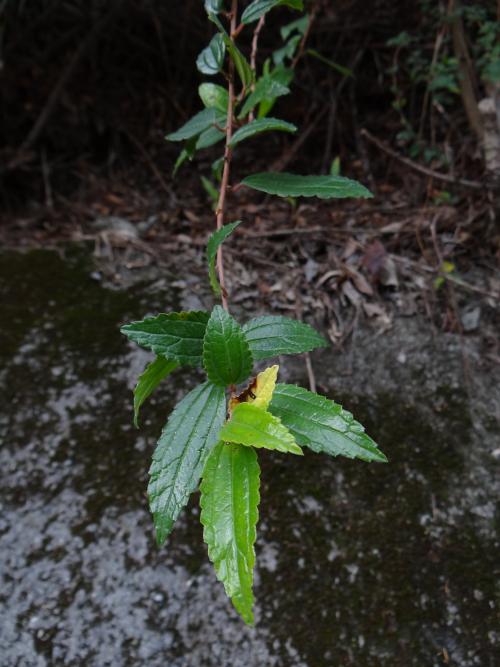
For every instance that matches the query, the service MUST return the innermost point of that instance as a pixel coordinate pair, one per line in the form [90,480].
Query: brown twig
[466,74]
[253,57]
[310,373]
[228,153]
[307,358]
[437,48]
[473,185]
[300,52]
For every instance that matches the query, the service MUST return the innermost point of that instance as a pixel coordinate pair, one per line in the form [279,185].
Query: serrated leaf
[322,425]
[180,456]
[266,88]
[260,7]
[215,240]
[240,62]
[253,427]
[293,185]
[270,336]
[214,96]
[229,514]
[211,59]
[178,336]
[226,356]
[153,374]
[198,124]
[261,125]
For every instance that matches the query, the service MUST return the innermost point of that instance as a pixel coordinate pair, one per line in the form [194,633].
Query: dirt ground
[396,564]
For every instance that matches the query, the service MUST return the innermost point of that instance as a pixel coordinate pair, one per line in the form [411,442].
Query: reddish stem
[228,153]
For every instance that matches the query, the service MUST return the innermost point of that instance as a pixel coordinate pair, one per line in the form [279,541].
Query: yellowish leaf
[264,387]
[259,391]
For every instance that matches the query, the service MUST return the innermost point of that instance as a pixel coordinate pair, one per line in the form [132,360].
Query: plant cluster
[425,73]
[214,432]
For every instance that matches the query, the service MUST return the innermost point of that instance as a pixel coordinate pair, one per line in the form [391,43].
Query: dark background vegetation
[90,88]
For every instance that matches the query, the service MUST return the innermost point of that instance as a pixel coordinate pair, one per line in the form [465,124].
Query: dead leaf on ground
[360,282]
[351,293]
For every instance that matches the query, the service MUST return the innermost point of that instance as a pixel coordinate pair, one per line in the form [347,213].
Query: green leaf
[322,425]
[299,25]
[281,75]
[292,185]
[153,374]
[214,96]
[266,88]
[187,153]
[209,138]
[217,168]
[270,336]
[287,51]
[241,63]
[197,124]
[211,191]
[206,139]
[335,166]
[254,427]
[261,125]
[229,514]
[180,456]
[260,7]
[216,239]
[214,6]
[216,20]
[178,336]
[211,59]
[226,356]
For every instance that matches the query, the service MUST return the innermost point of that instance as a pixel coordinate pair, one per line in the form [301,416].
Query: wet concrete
[362,565]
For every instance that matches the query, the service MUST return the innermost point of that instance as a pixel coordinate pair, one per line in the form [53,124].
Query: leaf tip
[162,532]
[381,457]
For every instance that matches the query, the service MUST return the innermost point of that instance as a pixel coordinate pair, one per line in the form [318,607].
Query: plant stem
[228,154]
[253,58]
[312,18]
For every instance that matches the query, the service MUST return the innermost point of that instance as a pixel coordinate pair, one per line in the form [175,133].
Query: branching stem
[228,154]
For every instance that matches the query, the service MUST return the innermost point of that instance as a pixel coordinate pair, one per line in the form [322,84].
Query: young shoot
[212,438]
